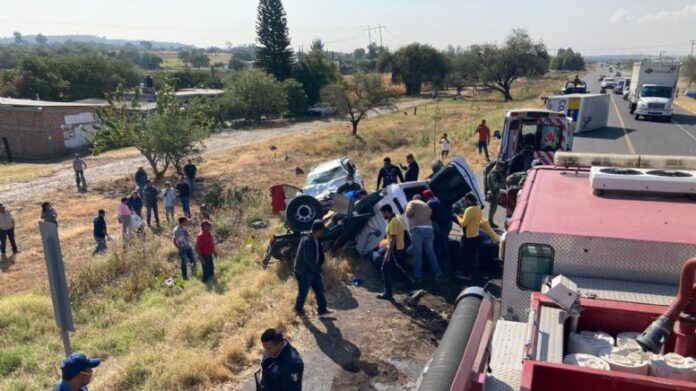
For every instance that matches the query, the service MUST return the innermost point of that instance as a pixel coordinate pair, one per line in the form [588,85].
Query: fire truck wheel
[302,211]
[598,192]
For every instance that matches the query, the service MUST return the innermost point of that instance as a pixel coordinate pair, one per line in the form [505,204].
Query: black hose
[439,374]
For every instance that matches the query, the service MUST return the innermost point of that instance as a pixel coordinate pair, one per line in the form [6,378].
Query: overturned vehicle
[359,222]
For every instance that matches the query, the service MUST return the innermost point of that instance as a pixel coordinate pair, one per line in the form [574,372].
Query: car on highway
[601,77]
[608,82]
[617,74]
[690,94]
[618,89]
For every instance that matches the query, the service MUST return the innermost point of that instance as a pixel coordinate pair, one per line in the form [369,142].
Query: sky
[593,27]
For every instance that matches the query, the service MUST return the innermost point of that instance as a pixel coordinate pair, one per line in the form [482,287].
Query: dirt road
[100,168]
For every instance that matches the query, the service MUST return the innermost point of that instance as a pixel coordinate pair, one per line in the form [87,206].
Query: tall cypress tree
[274,55]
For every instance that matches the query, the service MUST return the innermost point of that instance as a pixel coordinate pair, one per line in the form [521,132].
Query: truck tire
[637,117]
[302,211]
[633,107]
[668,118]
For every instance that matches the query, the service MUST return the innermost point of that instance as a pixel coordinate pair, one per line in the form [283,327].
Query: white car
[326,178]
[608,82]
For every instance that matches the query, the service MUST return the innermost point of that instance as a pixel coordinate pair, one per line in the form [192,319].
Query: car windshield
[541,137]
[656,92]
[326,176]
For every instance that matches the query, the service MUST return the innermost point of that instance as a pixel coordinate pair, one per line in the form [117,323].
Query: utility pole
[692,42]
[369,34]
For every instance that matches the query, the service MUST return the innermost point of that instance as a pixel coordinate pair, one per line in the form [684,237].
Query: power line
[369,34]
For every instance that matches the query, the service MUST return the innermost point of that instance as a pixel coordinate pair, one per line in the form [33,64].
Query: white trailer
[653,87]
[587,111]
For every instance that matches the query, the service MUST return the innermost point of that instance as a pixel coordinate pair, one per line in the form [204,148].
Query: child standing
[205,248]
[169,195]
[445,143]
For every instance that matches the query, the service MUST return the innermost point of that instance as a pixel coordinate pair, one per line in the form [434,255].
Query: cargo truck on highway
[652,90]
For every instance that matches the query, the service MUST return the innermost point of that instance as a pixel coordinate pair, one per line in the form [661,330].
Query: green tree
[464,68]
[315,72]
[354,98]
[261,93]
[18,38]
[296,97]
[274,54]
[236,64]
[415,64]
[184,56]
[41,39]
[199,59]
[164,138]
[567,59]
[519,57]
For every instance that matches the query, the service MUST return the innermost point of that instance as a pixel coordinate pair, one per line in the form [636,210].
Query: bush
[296,97]
[263,96]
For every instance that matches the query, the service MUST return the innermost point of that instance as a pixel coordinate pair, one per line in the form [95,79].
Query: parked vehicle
[617,74]
[608,82]
[690,93]
[601,77]
[653,87]
[563,276]
[539,132]
[321,111]
[618,89]
[586,111]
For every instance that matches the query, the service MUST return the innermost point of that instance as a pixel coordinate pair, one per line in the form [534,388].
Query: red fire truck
[611,234]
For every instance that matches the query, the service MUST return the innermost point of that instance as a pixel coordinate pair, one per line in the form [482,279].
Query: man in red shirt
[484,138]
[205,248]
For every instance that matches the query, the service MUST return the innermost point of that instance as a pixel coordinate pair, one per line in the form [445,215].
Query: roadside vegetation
[160,334]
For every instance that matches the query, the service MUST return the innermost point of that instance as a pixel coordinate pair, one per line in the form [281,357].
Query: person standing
[7,228]
[349,186]
[48,214]
[495,181]
[180,237]
[190,170]
[100,232]
[151,195]
[76,372]
[422,237]
[281,367]
[79,166]
[389,174]
[412,169]
[184,193]
[469,221]
[484,138]
[445,146]
[140,181]
[394,252]
[442,226]
[308,262]
[135,202]
[205,248]
[123,211]
[169,195]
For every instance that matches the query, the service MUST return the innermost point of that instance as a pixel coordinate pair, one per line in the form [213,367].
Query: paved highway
[624,134]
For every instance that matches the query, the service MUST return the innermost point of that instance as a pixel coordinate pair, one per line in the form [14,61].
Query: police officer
[495,180]
[282,366]
[389,174]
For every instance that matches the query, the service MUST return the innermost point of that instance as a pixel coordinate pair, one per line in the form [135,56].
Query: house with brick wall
[34,129]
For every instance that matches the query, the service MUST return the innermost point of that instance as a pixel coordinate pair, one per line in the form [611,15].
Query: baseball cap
[76,363]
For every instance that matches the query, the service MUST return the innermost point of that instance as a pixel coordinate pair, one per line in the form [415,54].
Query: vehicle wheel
[637,117]
[302,211]
[598,192]
[633,107]
[668,118]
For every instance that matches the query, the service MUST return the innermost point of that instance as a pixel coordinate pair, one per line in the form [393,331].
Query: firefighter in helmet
[495,181]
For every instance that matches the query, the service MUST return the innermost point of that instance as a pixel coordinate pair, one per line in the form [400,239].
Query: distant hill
[156,45]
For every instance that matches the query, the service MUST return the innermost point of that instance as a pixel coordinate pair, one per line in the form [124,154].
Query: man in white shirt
[7,226]
[445,143]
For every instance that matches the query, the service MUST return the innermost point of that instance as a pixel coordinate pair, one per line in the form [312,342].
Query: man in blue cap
[77,372]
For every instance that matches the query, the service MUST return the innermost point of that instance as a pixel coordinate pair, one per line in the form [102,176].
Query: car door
[454,181]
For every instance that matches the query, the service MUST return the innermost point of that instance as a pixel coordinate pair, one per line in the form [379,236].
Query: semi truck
[652,90]
[596,248]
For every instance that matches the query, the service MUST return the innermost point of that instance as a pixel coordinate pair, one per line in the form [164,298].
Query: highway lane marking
[631,149]
[684,130]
